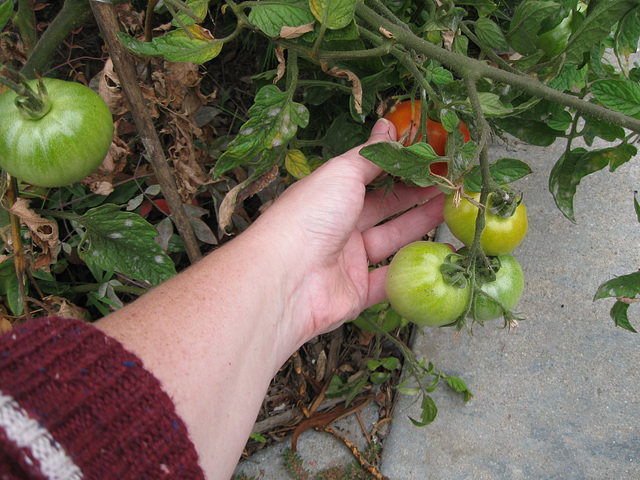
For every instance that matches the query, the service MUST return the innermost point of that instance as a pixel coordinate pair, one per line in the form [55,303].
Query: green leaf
[195,44]
[390,363]
[526,22]
[449,120]
[597,25]
[274,120]
[533,132]
[437,74]
[6,10]
[343,135]
[503,171]
[623,287]
[409,390]
[379,377]
[594,127]
[429,412]
[460,45]
[636,205]
[10,287]
[296,164]
[489,33]
[492,106]
[484,7]
[627,286]
[628,33]
[619,315]
[333,14]
[198,7]
[258,437]
[124,242]
[571,76]
[620,95]
[337,387]
[573,166]
[561,182]
[411,164]
[560,121]
[373,364]
[271,17]
[355,390]
[433,384]
[457,383]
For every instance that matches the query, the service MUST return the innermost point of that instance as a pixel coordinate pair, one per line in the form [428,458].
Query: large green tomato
[500,235]
[61,147]
[417,290]
[507,289]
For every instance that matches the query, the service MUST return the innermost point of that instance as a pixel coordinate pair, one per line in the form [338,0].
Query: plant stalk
[108,24]
[466,66]
[73,14]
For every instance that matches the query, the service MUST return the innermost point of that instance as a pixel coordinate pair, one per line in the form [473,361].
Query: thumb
[383,131]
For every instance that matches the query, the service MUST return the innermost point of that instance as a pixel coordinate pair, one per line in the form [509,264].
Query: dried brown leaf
[240,192]
[356,84]
[43,232]
[282,64]
[110,89]
[101,180]
[64,308]
[386,33]
[5,325]
[295,32]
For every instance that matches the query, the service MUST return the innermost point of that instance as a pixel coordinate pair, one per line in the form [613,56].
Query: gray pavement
[558,398]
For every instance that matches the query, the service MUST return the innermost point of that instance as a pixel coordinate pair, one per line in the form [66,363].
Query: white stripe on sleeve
[36,442]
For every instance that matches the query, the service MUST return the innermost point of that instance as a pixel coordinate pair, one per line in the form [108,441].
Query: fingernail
[384,127]
[381,126]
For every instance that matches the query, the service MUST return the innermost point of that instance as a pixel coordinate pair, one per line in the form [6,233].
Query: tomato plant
[406,118]
[503,293]
[418,291]
[500,235]
[60,144]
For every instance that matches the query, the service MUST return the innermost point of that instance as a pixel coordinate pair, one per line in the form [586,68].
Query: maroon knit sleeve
[75,404]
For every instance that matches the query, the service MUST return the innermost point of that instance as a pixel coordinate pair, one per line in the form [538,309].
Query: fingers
[381,204]
[377,292]
[385,239]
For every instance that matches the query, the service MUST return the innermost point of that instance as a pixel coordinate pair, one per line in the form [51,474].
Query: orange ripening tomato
[406,118]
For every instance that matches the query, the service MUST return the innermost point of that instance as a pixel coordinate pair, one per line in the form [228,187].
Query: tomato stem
[32,105]
[20,261]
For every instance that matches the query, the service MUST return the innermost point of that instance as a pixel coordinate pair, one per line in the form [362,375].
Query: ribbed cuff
[74,401]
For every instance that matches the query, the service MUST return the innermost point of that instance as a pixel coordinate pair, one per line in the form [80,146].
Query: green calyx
[503,204]
[32,105]
[453,272]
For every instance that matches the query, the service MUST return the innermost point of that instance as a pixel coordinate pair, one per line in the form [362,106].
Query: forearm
[214,338]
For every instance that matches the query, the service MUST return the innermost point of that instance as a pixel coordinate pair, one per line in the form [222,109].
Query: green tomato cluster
[419,291]
[499,237]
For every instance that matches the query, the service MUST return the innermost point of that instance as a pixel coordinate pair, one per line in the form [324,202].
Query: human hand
[216,334]
[333,233]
